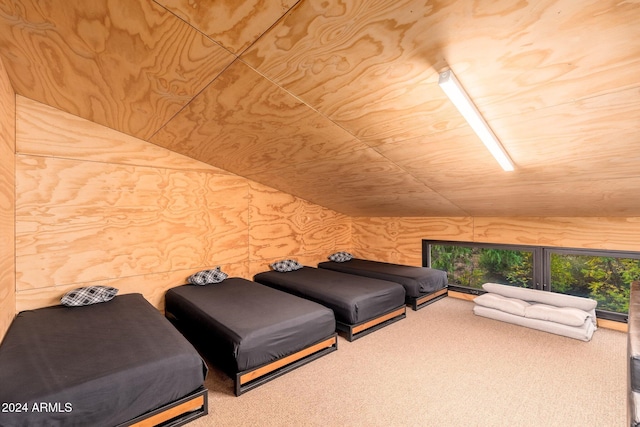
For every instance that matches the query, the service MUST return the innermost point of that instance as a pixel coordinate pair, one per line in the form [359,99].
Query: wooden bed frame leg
[359,330]
[250,379]
[423,301]
[181,412]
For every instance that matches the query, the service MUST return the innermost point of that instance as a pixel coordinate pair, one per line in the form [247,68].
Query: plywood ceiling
[337,102]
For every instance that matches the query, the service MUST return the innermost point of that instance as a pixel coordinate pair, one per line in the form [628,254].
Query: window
[599,274]
[471,266]
[605,277]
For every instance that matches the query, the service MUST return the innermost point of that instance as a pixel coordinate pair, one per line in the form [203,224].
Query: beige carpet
[441,366]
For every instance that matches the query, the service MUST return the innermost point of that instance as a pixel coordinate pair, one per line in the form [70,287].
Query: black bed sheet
[97,365]
[417,281]
[242,324]
[353,299]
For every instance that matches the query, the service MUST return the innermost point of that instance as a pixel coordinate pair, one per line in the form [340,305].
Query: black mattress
[240,324]
[97,365]
[353,299]
[417,281]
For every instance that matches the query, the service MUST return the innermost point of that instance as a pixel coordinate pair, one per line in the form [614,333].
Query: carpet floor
[441,366]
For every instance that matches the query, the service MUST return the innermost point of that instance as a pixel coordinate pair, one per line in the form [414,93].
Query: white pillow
[564,315]
[545,297]
[498,302]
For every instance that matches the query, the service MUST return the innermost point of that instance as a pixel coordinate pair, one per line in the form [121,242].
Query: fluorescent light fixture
[451,86]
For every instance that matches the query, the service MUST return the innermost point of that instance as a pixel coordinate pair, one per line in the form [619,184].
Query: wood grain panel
[590,233]
[46,131]
[583,198]
[233,24]
[443,159]
[153,286]
[86,221]
[366,65]
[371,66]
[246,124]
[98,207]
[127,65]
[309,259]
[457,159]
[555,179]
[7,203]
[361,183]
[578,140]
[399,240]
[300,107]
[282,225]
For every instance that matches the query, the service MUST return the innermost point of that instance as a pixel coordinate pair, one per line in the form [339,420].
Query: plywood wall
[95,206]
[282,225]
[7,202]
[400,239]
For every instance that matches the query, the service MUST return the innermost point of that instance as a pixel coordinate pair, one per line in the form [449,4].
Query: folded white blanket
[508,305]
[570,316]
[566,315]
[551,298]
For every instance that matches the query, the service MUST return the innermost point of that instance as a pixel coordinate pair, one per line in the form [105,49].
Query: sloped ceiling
[337,102]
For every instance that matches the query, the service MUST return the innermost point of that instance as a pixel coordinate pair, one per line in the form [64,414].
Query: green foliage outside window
[472,267]
[604,278]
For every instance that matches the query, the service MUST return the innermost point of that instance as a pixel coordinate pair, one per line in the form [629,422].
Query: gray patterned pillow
[286,265]
[88,295]
[340,257]
[206,277]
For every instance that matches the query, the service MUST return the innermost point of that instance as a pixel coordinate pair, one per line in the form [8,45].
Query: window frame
[426,256]
[548,250]
[541,264]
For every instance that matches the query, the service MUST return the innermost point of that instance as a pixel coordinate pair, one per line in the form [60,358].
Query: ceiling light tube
[451,86]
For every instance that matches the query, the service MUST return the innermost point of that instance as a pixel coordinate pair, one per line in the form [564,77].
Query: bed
[361,304]
[422,285]
[252,332]
[109,364]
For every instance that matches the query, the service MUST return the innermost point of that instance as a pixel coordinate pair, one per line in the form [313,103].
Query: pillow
[545,297]
[88,295]
[498,302]
[206,277]
[340,257]
[566,315]
[286,265]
